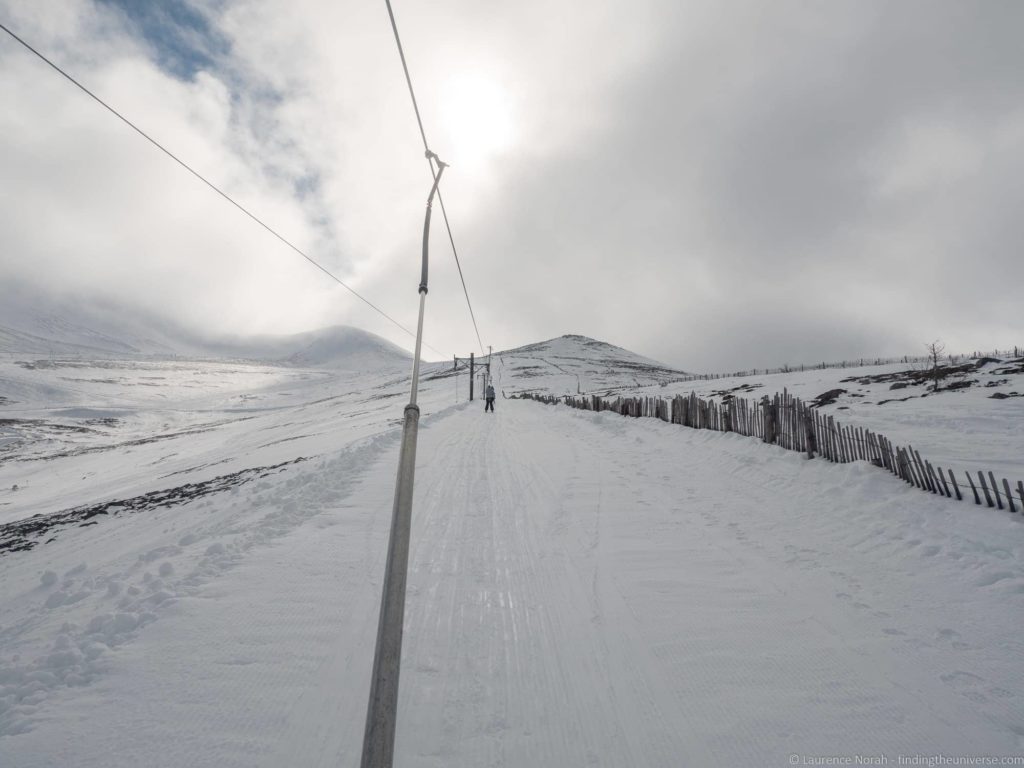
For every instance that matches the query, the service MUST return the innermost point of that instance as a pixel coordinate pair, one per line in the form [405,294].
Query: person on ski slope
[490,399]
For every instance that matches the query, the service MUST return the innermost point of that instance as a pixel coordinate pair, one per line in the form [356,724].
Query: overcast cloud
[718,185]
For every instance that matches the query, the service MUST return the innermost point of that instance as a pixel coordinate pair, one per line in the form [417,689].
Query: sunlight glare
[476,117]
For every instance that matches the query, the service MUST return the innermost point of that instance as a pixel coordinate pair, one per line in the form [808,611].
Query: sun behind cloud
[476,117]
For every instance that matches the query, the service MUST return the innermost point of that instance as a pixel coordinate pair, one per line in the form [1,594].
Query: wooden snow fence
[792,424]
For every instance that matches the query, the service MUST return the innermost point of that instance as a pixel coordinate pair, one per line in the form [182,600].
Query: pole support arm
[426,221]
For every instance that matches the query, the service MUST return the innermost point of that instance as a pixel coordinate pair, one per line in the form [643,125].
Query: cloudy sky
[718,185]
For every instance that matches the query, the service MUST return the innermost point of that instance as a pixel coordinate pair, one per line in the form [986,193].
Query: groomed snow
[584,589]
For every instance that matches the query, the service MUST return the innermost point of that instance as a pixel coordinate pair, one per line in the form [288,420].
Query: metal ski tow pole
[379,737]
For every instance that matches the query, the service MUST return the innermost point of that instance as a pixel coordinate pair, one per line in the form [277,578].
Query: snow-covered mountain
[42,326]
[579,364]
[31,324]
[339,347]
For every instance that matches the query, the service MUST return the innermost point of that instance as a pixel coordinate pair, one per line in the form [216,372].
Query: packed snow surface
[584,589]
[975,421]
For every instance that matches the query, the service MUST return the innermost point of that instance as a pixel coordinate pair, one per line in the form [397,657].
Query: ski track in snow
[584,589]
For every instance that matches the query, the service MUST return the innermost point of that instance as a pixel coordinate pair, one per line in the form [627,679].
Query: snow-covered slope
[192,561]
[975,421]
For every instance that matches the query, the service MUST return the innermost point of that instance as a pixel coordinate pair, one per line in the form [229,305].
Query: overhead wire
[210,184]
[430,162]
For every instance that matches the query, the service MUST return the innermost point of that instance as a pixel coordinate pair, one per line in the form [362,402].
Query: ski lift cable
[210,184]
[430,162]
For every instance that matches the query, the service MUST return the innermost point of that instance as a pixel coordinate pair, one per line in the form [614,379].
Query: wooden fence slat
[916,457]
[988,498]
[932,480]
[876,448]
[809,440]
[787,427]
[919,463]
[901,465]
[977,498]
[924,469]
[956,487]
[917,469]
[995,489]
[1009,496]
[819,435]
[919,478]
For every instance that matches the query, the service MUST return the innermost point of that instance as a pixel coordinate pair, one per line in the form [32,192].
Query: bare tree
[935,350]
